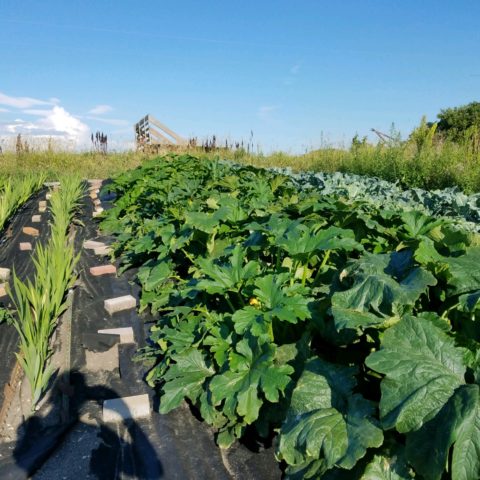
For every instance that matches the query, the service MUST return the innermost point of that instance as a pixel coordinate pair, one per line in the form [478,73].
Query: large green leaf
[230,210]
[251,319]
[326,420]
[388,466]
[184,379]
[457,424]
[226,276]
[384,286]
[152,274]
[464,271]
[252,372]
[280,300]
[417,224]
[422,368]
[300,240]
[469,302]
[466,454]
[201,221]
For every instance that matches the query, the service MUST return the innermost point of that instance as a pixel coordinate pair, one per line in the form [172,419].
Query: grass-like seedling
[41,301]
[15,192]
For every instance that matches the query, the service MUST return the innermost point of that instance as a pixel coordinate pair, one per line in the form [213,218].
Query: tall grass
[423,161]
[57,164]
[430,166]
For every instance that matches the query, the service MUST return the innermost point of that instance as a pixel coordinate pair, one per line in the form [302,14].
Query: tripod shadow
[119,450]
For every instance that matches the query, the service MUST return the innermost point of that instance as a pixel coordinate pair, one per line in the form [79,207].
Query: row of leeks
[14,192]
[40,302]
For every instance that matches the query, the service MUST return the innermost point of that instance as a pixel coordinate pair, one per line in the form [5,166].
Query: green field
[426,165]
[346,328]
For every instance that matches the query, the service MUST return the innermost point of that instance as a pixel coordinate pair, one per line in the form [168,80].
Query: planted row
[347,330]
[40,301]
[15,192]
[449,202]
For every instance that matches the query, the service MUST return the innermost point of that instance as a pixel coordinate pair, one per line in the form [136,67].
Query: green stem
[322,265]
[278,259]
[325,259]
[270,330]
[448,310]
[295,265]
[240,298]
[304,274]
[230,304]
[188,256]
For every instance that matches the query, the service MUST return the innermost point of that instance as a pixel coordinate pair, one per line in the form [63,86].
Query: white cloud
[63,121]
[4,110]
[101,110]
[21,102]
[265,111]
[56,122]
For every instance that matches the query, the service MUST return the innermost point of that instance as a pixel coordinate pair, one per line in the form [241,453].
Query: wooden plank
[164,128]
[163,138]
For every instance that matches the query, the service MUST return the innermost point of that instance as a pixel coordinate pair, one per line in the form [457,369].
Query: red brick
[103,270]
[33,232]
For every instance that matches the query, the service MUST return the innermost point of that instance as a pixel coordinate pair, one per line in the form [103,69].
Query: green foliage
[441,163]
[425,395]
[423,135]
[40,302]
[455,122]
[15,192]
[348,327]
[327,424]
[5,315]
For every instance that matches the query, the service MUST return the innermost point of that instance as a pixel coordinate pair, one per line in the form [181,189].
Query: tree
[458,121]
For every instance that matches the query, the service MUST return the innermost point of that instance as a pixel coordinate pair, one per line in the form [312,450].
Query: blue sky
[297,74]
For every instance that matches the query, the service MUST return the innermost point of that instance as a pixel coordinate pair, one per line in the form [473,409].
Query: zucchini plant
[346,330]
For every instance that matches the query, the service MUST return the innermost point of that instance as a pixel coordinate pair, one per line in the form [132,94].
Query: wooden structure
[152,135]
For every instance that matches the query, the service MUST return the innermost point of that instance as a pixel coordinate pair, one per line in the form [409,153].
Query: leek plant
[41,301]
[16,192]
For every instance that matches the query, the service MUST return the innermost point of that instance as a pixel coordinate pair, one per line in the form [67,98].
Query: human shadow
[117,450]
